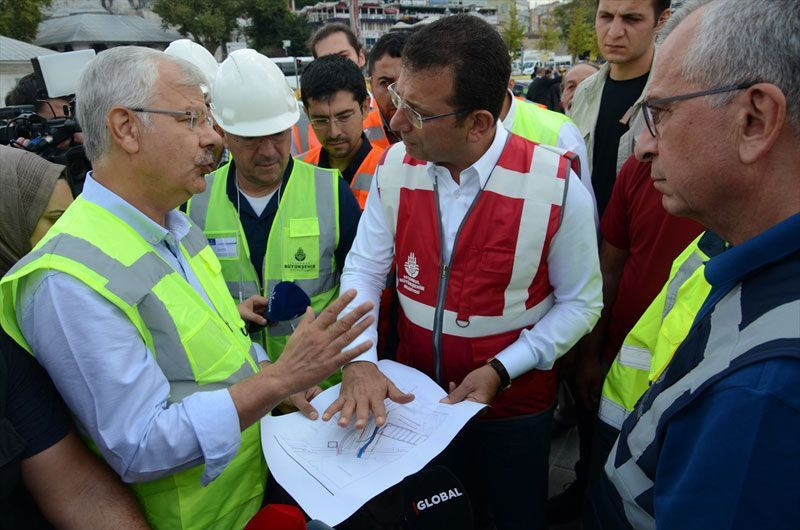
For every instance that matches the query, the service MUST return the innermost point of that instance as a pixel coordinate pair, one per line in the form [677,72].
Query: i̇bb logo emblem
[412,269]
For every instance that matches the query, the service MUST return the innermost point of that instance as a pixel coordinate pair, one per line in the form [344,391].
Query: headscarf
[26,184]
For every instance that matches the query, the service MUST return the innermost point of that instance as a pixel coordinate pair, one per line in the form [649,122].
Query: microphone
[435,499]
[287,302]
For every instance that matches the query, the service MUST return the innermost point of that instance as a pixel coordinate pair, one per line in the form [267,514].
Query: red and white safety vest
[455,316]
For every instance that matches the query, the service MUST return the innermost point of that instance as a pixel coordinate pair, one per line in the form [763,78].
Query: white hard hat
[197,55]
[251,96]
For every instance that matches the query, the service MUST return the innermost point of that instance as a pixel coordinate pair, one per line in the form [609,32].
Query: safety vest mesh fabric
[649,346]
[727,345]
[537,124]
[301,244]
[196,347]
[496,283]
[363,176]
[373,127]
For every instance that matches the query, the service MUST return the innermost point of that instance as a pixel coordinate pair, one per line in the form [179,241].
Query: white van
[292,68]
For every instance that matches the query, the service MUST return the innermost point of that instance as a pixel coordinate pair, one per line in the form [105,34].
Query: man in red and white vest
[497,267]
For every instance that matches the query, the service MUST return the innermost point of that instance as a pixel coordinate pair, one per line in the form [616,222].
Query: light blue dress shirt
[110,379]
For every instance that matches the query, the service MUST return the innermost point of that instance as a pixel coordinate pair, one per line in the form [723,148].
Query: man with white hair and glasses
[712,443]
[123,303]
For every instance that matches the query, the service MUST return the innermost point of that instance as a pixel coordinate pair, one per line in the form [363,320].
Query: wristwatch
[505,379]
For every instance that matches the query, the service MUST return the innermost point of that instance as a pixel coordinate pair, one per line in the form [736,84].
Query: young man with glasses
[335,99]
[497,273]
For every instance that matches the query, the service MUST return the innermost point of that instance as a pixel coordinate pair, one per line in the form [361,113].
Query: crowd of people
[235,251]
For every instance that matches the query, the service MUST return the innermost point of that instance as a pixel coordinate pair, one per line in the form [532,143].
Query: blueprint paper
[332,471]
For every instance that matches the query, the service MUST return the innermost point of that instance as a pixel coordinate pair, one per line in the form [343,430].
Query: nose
[617,28]
[399,121]
[646,147]
[209,137]
[335,128]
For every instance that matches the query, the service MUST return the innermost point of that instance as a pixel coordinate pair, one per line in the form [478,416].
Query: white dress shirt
[110,379]
[569,138]
[573,266]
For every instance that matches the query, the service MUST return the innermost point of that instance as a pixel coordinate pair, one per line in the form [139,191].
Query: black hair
[329,29]
[29,91]
[390,44]
[474,52]
[326,76]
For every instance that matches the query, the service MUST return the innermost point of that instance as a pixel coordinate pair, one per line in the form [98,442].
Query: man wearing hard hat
[268,217]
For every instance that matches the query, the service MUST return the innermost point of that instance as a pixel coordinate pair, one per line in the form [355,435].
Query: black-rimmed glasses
[415,118]
[652,108]
[194,118]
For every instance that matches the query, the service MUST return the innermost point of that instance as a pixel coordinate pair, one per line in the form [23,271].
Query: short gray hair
[124,76]
[740,41]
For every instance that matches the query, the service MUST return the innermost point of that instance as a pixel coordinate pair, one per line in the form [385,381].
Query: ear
[125,131]
[662,19]
[365,107]
[479,124]
[761,118]
[362,58]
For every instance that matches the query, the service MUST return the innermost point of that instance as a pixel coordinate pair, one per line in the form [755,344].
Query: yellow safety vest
[537,124]
[650,345]
[197,347]
[300,248]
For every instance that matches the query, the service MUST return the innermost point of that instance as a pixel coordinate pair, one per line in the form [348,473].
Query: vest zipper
[444,279]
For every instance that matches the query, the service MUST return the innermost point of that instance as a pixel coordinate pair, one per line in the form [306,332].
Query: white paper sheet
[332,471]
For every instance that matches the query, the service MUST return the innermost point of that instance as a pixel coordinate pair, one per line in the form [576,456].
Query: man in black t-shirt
[43,464]
[601,108]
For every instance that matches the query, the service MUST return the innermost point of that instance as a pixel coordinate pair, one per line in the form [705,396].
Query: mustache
[261,160]
[205,158]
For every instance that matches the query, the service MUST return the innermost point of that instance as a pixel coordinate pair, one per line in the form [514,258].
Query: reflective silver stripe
[248,289]
[131,284]
[612,413]
[635,484]
[284,329]
[302,133]
[375,133]
[194,241]
[198,204]
[723,346]
[180,389]
[362,182]
[635,357]
[685,271]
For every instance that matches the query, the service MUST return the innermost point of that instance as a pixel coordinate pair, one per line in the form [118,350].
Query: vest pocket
[300,260]
[485,282]
[222,361]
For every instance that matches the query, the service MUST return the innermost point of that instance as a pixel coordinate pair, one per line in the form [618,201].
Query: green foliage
[550,37]
[19,19]
[272,23]
[513,32]
[208,22]
[575,19]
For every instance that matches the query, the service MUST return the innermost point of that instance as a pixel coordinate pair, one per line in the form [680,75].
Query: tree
[208,22]
[550,37]
[19,19]
[271,23]
[581,37]
[513,32]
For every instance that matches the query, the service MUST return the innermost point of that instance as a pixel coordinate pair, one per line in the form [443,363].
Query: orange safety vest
[456,316]
[363,176]
[373,127]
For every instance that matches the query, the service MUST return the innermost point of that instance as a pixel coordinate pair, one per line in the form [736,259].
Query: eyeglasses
[414,117]
[652,108]
[324,123]
[193,118]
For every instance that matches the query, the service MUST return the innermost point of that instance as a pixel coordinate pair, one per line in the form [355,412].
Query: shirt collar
[486,163]
[767,247]
[508,122]
[177,224]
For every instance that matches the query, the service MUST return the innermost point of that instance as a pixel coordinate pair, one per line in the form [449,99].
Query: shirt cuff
[516,359]
[216,424]
[261,355]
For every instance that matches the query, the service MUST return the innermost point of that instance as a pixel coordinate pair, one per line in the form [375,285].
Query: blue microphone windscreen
[287,301]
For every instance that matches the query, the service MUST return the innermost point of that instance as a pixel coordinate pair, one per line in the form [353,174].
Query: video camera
[52,139]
